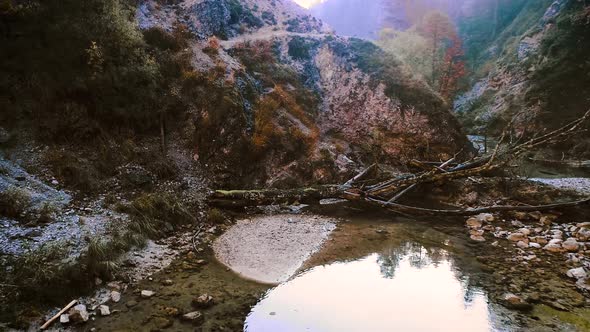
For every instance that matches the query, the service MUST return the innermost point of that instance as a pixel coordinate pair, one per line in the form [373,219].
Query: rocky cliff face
[533,67]
[289,103]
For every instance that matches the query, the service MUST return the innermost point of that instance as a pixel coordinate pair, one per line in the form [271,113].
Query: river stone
[577,273]
[131,303]
[79,314]
[513,301]
[477,238]
[487,217]
[64,318]
[583,224]
[115,296]
[203,301]
[104,310]
[147,293]
[525,231]
[541,240]
[517,237]
[571,244]
[553,248]
[534,245]
[195,317]
[583,234]
[473,223]
[583,284]
[522,244]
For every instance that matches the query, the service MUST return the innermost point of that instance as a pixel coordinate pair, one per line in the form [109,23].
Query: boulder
[78,314]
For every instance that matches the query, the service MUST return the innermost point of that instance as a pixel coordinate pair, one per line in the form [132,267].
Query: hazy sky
[307,3]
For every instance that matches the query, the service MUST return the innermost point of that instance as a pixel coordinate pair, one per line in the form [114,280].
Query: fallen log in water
[386,193]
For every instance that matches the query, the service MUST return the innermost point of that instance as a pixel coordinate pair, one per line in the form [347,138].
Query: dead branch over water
[386,192]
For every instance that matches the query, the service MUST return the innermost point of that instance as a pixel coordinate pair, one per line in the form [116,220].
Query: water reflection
[406,288]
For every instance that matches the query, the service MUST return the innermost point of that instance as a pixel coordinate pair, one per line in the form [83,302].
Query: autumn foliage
[280,120]
[453,68]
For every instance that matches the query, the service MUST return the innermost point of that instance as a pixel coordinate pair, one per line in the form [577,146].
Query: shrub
[156,214]
[14,201]
[79,175]
[215,216]
[47,213]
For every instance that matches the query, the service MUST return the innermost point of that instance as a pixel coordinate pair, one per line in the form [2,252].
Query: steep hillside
[537,65]
[304,104]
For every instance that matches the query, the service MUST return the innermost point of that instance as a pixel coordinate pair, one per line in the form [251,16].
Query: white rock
[578,273]
[147,293]
[115,296]
[79,314]
[64,318]
[485,217]
[534,245]
[104,310]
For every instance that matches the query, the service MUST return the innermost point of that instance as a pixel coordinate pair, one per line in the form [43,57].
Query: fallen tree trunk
[386,193]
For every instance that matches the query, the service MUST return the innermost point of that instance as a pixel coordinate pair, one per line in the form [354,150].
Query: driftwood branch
[56,316]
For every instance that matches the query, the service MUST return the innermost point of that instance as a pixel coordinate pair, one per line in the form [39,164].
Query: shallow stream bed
[371,274]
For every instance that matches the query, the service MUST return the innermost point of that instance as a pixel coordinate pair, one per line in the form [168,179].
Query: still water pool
[404,288]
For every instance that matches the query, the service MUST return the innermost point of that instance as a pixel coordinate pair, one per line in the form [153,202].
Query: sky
[307,3]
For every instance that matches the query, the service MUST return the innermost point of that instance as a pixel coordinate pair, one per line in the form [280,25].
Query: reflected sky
[408,289]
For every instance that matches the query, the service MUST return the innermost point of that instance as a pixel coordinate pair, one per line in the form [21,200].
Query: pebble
[513,301]
[522,244]
[194,317]
[64,318]
[147,293]
[534,245]
[104,310]
[131,303]
[203,301]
